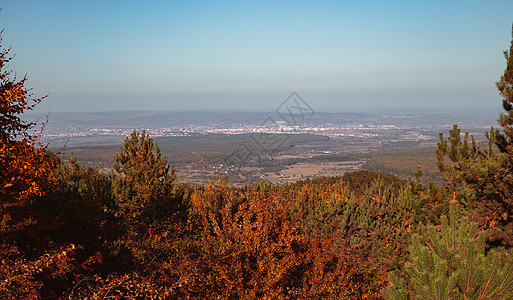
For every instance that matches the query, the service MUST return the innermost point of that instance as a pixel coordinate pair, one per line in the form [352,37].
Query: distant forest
[69,231]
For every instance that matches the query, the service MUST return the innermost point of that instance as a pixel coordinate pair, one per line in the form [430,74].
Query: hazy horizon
[328,101]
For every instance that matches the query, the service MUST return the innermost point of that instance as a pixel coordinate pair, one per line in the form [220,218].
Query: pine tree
[504,139]
[143,182]
[453,263]
[480,177]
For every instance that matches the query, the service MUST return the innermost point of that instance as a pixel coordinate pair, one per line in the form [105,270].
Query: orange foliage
[24,177]
[249,247]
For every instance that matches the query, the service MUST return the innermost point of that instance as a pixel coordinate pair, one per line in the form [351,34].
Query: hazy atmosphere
[231,55]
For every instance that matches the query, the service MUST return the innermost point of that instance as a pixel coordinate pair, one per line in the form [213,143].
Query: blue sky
[339,55]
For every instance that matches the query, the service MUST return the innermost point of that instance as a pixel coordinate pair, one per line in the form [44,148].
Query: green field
[197,157]
[209,148]
[403,162]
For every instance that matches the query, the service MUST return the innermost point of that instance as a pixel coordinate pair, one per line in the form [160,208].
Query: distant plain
[202,144]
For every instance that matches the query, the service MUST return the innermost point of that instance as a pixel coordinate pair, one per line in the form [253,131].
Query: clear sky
[246,55]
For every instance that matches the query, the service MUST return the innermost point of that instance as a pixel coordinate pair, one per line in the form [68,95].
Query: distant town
[407,127]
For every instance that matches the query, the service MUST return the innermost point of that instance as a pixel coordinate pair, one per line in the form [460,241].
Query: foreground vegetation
[67,231]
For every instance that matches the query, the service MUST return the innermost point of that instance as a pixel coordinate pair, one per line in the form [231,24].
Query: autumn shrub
[26,170]
[248,246]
